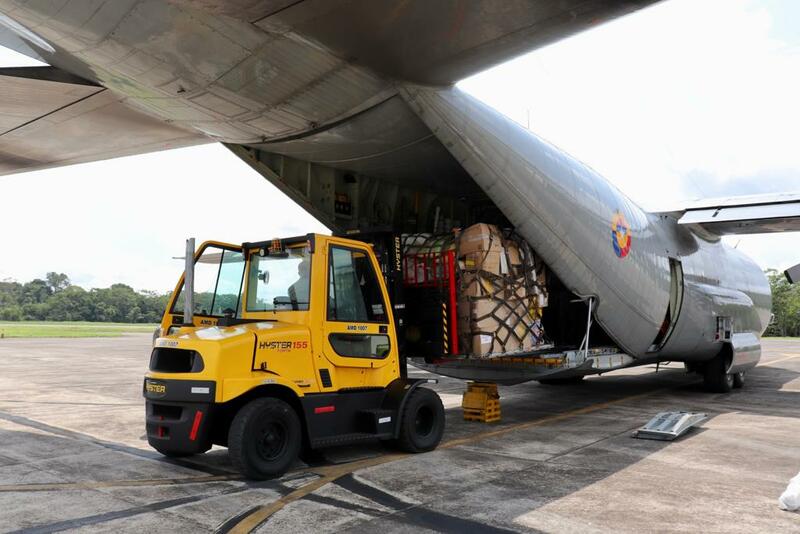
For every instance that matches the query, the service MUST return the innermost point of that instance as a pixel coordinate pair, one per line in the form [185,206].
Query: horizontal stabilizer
[745,215]
[50,118]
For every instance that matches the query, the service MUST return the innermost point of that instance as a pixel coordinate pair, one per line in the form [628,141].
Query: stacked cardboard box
[501,293]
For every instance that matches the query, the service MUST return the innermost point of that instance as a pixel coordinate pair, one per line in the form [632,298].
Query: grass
[31,329]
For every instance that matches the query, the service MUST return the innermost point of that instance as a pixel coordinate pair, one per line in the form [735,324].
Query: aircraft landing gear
[716,377]
[738,379]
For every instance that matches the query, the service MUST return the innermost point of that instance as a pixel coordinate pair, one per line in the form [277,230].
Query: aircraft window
[354,293]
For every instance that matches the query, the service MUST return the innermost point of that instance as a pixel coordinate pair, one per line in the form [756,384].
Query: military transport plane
[349,107]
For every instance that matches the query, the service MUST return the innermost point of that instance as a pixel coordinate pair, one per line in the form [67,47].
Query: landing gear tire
[716,379]
[264,438]
[422,422]
[738,379]
[561,381]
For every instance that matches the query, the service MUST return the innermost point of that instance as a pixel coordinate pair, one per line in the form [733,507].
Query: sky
[684,100]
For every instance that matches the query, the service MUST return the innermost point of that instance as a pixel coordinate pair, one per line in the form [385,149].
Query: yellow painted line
[55,486]
[331,473]
[773,362]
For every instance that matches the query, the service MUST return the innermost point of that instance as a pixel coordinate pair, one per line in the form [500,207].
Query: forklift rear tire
[561,381]
[264,438]
[716,377]
[422,422]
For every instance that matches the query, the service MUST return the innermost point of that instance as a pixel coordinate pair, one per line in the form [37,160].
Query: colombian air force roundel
[620,235]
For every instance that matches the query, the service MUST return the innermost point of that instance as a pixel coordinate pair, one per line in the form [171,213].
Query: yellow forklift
[274,347]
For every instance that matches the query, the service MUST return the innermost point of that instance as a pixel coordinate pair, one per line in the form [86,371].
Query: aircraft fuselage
[660,290]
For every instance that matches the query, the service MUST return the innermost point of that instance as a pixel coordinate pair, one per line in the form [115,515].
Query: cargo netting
[499,286]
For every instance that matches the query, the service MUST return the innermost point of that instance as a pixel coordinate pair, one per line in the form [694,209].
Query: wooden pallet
[487,415]
[481,402]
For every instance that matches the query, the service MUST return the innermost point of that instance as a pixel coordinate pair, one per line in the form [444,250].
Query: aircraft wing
[421,41]
[745,215]
[50,118]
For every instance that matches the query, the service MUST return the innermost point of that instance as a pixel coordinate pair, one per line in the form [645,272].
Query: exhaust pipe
[188,284]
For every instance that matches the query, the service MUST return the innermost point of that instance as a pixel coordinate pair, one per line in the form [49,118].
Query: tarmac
[73,457]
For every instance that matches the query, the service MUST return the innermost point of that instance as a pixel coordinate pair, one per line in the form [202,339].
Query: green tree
[10,312]
[57,281]
[35,292]
[55,299]
[70,304]
[785,305]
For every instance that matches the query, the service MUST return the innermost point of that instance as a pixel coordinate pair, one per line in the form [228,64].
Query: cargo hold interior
[384,175]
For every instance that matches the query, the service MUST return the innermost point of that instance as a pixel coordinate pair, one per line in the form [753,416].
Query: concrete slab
[561,460]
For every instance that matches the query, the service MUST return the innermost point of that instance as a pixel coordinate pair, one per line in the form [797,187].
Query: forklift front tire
[264,438]
[422,421]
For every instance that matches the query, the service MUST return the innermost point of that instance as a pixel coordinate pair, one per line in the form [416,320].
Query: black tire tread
[405,439]
[738,380]
[715,379]
[237,436]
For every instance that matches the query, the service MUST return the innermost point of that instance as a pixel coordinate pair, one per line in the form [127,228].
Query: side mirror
[264,276]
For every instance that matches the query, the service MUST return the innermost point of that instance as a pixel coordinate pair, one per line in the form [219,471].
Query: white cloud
[685,99]
[123,220]
[679,87]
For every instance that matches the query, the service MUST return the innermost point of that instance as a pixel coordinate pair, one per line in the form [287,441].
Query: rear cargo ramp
[524,367]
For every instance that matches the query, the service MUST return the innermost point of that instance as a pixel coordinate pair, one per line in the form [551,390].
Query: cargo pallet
[481,402]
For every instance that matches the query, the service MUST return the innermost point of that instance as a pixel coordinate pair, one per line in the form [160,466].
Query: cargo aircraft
[349,107]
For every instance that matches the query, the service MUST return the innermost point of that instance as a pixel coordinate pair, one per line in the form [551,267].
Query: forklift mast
[387,246]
